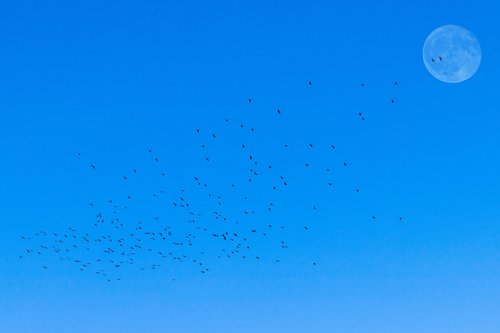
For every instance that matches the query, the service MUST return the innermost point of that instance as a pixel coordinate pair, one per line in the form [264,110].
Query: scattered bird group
[114,242]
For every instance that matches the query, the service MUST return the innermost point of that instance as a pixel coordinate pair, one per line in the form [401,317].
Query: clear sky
[103,82]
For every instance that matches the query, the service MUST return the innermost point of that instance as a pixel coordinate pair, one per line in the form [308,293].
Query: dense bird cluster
[226,216]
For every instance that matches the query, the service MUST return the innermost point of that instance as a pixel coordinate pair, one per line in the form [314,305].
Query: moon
[452,53]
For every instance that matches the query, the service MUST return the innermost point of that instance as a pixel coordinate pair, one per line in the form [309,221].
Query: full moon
[452,53]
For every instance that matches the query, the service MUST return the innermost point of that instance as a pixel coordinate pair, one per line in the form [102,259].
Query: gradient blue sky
[112,79]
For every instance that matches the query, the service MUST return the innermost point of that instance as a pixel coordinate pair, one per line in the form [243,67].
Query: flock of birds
[197,223]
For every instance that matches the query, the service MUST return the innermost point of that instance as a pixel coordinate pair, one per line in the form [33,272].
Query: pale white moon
[452,53]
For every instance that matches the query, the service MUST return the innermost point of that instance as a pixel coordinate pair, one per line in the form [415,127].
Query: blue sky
[112,80]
